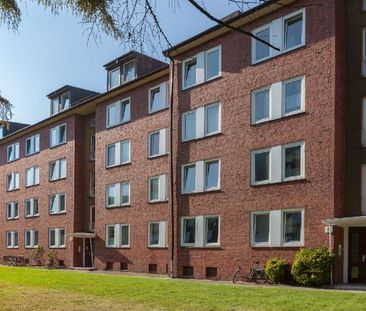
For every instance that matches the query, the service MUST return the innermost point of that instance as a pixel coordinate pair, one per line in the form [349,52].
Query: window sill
[30,186]
[56,214]
[56,180]
[201,247]
[157,111]
[157,201]
[285,117]
[33,216]
[12,247]
[118,206]
[12,190]
[297,245]
[187,88]
[58,145]
[202,192]
[57,247]
[11,219]
[202,138]
[119,247]
[157,156]
[31,154]
[12,161]
[282,182]
[118,165]
[114,126]
[284,52]
[157,247]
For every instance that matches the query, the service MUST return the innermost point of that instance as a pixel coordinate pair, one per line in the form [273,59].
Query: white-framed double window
[200,231]
[57,170]
[57,203]
[12,239]
[13,152]
[56,238]
[201,176]
[118,153]
[202,67]
[201,122]
[277,228]
[363,70]
[31,207]
[60,103]
[278,100]
[114,78]
[58,135]
[158,143]
[12,181]
[31,238]
[157,234]
[159,97]
[32,176]
[117,236]
[12,210]
[32,144]
[157,188]
[118,194]
[118,112]
[278,163]
[286,34]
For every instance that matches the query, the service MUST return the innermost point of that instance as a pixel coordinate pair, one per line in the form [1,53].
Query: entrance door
[89,252]
[357,255]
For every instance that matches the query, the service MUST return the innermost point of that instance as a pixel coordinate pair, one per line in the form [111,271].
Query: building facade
[233,153]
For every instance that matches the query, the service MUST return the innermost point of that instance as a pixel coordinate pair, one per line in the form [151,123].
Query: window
[286,33]
[57,204]
[58,135]
[118,112]
[364,5]
[118,194]
[157,188]
[1,131]
[31,207]
[278,164]
[201,122]
[202,67]
[200,231]
[129,71]
[12,239]
[201,176]
[114,77]
[278,100]
[31,238]
[57,170]
[32,176]
[118,153]
[92,148]
[278,228]
[158,142]
[13,152]
[92,184]
[158,97]
[92,219]
[12,210]
[12,181]
[157,234]
[32,145]
[60,103]
[364,48]
[118,236]
[56,238]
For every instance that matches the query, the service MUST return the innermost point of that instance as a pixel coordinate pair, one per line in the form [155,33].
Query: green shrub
[37,255]
[276,270]
[312,267]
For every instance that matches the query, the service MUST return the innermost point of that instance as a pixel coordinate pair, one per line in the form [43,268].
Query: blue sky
[50,51]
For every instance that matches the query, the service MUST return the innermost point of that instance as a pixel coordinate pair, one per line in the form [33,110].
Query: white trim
[162,234]
[302,96]
[123,81]
[12,205]
[57,238]
[253,154]
[218,174]
[35,141]
[296,243]
[118,153]
[216,48]
[253,229]
[289,17]
[57,200]
[12,239]
[117,229]
[15,152]
[118,104]
[162,191]
[206,107]
[31,243]
[253,105]
[109,77]
[118,194]
[57,130]
[254,41]
[300,144]
[31,206]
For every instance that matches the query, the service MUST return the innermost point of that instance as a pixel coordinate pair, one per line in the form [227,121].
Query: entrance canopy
[357,221]
[82,235]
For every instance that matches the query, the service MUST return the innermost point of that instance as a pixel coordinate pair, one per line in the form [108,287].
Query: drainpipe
[171,164]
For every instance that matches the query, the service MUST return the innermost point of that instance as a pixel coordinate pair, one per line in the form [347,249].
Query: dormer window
[60,103]
[129,71]
[114,78]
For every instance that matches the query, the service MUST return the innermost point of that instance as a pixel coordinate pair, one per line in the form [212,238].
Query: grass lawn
[37,289]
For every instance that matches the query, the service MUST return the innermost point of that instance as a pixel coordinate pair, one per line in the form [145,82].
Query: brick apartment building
[234,153]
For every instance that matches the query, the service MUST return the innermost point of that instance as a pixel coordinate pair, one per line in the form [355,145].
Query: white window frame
[32,204]
[58,204]
[163,143]
[31,243]
[277,36]
[15,183]
[12,239]
[201,67]
[201,121]
[15,152]
[253,106]
[164,90]
[57,238]
[118,103]
[300,144]
[124,71]
[277,228]
[58,136]
[118,194]
[35,144]
[162,190]
[162,235]
[35,176]
[200,232]
[110,87]
[58,166]
[302,107]
[118,153]
[363,65]
[117,236]
[12,210]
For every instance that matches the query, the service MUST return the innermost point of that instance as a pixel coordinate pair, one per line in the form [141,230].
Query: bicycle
[12,261]
[257,273]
